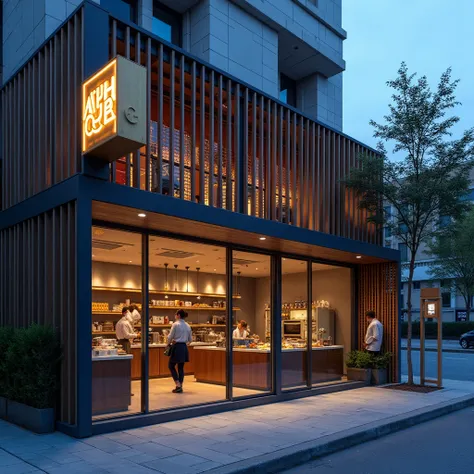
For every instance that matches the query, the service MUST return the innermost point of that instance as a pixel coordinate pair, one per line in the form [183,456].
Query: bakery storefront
[315,322]
[137,176]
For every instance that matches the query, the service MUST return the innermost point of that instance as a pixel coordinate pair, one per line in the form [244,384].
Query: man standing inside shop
[124,330]
[374,334]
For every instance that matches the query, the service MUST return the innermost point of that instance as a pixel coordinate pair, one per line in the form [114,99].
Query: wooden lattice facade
[378,290]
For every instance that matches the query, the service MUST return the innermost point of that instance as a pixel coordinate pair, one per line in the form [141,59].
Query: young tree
[453,250]
[430,178]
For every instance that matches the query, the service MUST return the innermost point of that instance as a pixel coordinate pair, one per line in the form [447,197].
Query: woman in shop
[180,336]
[241,331]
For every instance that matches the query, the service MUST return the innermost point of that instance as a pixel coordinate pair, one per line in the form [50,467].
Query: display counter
[111,384]
[252,367]
[158,362]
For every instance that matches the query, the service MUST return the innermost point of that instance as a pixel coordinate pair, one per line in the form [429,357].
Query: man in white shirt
[241,331]
[374,334]
[124,330]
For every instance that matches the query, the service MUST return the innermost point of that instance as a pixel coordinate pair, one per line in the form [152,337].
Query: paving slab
[267,438]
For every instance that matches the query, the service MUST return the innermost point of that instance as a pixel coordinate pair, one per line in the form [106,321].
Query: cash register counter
[252,367]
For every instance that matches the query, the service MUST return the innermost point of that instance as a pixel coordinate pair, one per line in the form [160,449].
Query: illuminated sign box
[114,110]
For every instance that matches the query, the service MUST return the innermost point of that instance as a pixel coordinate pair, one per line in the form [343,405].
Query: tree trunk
[409,316]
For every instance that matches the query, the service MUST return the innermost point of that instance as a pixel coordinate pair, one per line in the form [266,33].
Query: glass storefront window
[251,337]
[187,303]
[294,323]
[332,322]
[116,322]
[188,279]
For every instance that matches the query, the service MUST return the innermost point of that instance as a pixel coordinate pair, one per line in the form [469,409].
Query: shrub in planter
[380,366]
[6,337]
[33,360]
[359,366]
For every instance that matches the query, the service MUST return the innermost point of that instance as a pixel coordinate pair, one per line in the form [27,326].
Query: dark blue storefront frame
[85,190]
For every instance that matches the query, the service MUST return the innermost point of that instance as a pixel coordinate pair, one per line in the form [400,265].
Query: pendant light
[166,277]
[238,283]
[197,282]
[176,278]
[187,279]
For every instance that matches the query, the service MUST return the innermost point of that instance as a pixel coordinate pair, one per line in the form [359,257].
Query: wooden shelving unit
[163,326]
[163,292]
[186,308]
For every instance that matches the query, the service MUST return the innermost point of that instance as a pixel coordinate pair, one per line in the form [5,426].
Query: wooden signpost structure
[430,305]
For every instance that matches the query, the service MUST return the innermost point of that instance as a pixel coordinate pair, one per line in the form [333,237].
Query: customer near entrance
[180,336]
[241,331]
[374,334]
[124,330]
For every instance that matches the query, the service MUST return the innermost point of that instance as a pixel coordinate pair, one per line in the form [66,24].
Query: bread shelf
[186,308]
[163,292]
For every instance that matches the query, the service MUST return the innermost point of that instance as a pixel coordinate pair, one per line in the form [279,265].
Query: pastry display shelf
[186,308]
[164,326]
[163,292]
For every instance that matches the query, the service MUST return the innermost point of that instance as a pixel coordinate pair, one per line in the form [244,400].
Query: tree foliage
[432,176]
[453,253]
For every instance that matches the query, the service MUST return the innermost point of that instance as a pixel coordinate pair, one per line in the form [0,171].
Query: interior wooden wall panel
[378,291]
[38,273]
[41,143]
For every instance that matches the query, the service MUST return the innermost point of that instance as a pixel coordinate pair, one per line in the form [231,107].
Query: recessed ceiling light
[256,269]
[215,270]
[142,214]
[358,256]
[262,238]
[93,255]
[197,261]
[129,261]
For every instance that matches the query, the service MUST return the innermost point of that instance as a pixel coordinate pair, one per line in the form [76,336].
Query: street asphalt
[456,366]
[441,446]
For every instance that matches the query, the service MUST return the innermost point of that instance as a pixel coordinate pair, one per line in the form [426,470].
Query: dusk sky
[429,35]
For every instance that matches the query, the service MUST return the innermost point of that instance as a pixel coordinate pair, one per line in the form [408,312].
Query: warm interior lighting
[263,238]
[359,256]
[141,214]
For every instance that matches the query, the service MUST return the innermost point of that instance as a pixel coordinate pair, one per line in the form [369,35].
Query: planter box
[39,420]
[359,375]
[379,376]
[3,408]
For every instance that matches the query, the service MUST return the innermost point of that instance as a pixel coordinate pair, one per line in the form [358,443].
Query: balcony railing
[218,142]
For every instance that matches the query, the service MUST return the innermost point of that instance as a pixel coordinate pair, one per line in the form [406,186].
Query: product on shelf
[100,306]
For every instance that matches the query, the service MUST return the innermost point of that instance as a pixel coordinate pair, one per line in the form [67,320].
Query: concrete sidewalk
[266,439]
[432,345]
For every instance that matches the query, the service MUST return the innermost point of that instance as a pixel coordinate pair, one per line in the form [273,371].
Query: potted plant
[379,370]
[33,360]
[359,366]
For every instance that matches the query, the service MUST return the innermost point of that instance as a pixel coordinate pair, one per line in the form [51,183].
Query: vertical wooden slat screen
[378,291]
[241,150]
[40,145]
[38,273]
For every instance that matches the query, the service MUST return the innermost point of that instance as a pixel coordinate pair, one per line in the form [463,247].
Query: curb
[456,351]
[305,452]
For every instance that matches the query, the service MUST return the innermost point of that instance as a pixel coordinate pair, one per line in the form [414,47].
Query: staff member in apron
[124,330]
[180,336]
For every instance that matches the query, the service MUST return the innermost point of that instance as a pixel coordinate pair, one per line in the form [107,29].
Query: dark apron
[180,353]
[125,343]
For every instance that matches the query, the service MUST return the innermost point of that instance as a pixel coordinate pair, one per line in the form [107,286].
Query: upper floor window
[416,285]
[446,299]
[287,90]
[403,252]
[126,10]
[166,23]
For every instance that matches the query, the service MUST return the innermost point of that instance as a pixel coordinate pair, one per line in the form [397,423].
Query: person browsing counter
[241,331]
[180,336]
[374,334]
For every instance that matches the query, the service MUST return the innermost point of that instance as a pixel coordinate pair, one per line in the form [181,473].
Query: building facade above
[289,49]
